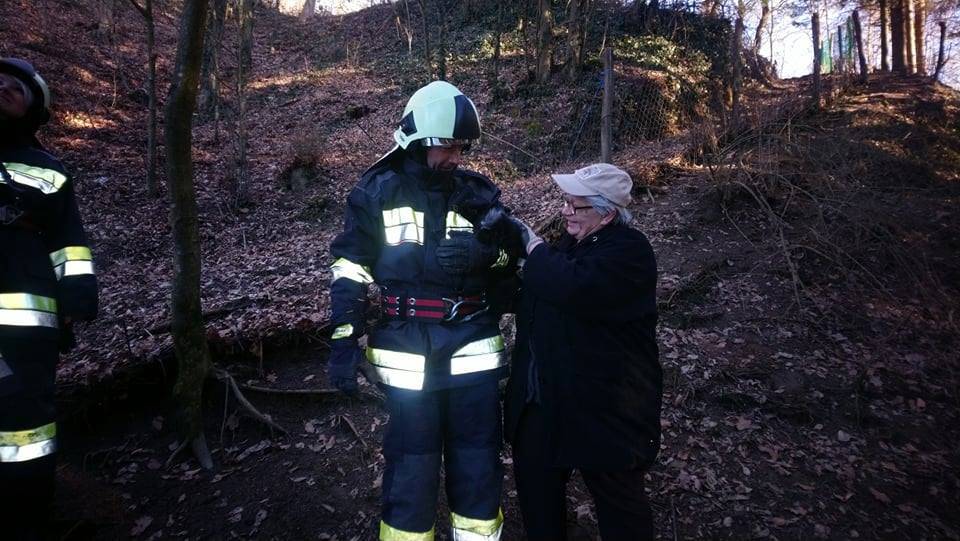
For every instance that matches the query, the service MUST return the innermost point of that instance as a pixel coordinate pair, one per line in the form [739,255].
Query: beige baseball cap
[598,179]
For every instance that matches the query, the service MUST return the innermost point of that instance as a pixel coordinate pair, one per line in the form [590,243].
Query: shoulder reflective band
[471,529]
[456,222]
[398,369]
[401,225]
[389,533]
[343,331]
[478,356]
[72,261]
[26,310]
[344,268]
[28,444]
[47,181]
[501,261]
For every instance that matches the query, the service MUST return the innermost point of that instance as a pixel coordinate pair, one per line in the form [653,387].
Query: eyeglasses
[570,208]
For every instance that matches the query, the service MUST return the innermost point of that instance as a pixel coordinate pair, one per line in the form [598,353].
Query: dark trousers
[623,512]
[459,428]
[26,403]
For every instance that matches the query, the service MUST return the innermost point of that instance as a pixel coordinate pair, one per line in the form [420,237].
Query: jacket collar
[428,179]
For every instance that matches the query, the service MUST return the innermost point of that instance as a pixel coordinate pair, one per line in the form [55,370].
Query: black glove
[463,253]
[345,355]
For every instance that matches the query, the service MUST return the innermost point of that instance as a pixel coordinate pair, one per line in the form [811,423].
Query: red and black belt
[432,309]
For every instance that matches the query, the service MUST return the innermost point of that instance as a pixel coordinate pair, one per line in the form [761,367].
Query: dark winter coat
[587,318]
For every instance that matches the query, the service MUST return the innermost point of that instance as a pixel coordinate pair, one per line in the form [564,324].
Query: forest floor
[808,292]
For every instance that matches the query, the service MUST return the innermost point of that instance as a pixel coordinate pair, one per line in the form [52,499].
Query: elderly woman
[586,384]
[46,282]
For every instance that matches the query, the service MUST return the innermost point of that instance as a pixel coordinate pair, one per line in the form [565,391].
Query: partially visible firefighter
[416,225]
[46,284]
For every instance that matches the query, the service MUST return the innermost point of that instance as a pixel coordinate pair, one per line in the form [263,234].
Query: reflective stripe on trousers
[472,529]
[24,445]
[27,310]
[406,370]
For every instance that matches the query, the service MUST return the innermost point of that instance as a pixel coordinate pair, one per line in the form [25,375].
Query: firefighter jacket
[395,218]
[46,268]
[46,275]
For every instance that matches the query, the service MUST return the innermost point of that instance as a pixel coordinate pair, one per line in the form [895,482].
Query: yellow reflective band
[399,360]
[402,379]
[70,253]
[501,261]
[485,354]
[456,222]
[471,529]
[402,225]
[47,181]
[343,331]
[344,268]
[25,445]
[27,301]
[389,533]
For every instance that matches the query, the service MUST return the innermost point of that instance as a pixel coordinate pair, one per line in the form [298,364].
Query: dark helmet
[39,112]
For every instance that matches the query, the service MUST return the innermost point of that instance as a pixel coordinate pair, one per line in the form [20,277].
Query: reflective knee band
[389,533]
[26,445]
[26,310]
[406,370]
[471,529]
[72,261]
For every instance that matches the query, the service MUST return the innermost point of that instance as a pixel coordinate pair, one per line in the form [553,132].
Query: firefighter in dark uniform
[415,226]
[46,283]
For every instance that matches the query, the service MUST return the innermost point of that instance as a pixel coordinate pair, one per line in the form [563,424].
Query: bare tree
[576,29]
[897,59]
[187,328]
[404,23]
[884,48]
[209,105]
[737,56]
[919,20]
[147,11]
[764,21]
[909,47]
[309,10]
[544,41]
[245,11]
[858,31]
[941,57]
[817,57]
[427,53]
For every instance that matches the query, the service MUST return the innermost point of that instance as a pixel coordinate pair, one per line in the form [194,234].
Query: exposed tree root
[225,376]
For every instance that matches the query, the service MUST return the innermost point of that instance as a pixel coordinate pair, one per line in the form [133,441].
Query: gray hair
[604,206]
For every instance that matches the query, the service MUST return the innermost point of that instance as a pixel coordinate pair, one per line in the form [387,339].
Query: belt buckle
[453,312]
[453,308]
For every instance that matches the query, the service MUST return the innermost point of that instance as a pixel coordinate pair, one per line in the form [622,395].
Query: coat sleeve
[355,251]
[622,273]
[72,259]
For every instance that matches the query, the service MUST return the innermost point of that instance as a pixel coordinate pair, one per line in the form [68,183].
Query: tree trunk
[309,10]
[209,105]
[442,41]
[575,28]
[245,12]
[817,58]
[884,48]
[544,41]
[187,328]
[737,57]
[764,20]
[241,175]
[909,64]
[427,54]
[896,36]
[147,11]
[858,34]
[840,56]
[941,57]
[919,20]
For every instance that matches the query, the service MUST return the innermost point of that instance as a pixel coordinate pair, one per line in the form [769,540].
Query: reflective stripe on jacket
[395,217]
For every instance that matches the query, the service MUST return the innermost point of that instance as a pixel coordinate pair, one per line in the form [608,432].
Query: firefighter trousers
[27,437]
[459,428]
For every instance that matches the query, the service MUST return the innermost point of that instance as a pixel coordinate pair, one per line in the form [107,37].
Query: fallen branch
[224,309]
[353,429]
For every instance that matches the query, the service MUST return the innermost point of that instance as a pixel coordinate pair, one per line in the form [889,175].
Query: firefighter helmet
[438,115]
[39,112]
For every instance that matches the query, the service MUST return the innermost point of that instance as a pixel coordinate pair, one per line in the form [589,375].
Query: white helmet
[438,115]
